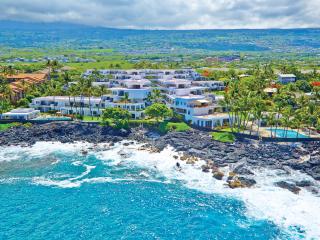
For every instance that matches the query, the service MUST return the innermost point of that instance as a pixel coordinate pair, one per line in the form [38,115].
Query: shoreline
[240,156]
[126,163]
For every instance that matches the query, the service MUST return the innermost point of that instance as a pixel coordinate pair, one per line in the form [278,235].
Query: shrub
[23,102]
[27,125]
[144,122]
[78,116]
[176,117]
[118,116]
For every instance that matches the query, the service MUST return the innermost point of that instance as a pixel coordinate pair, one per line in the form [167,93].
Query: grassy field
[100,65]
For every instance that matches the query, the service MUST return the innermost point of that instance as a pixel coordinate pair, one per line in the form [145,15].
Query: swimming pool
[52,119]
[281,133]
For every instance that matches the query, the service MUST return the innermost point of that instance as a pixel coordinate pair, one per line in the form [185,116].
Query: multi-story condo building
[134,90]
[85,106]
[211,85]
[179,87]
[186,73]
[192,103]
[69,105]
[131,95]
[199,110]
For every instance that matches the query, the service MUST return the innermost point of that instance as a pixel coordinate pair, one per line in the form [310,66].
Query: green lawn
[166,126]
[224,137]
[91,119]
[5,126]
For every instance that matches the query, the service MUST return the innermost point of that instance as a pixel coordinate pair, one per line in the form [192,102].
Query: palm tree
[8,70]
[271,121]
[66,78]
[82,86]
[298,120]
[125,99]
[54,89]
[156,96]
[72,93]
[25,87]
[226,104]
[286,119]
[89,92]
[311,115]
[259,107]
[49,65]
[316,93]
[102,90]
[5,96]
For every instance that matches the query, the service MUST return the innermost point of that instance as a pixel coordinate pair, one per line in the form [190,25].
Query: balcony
[198,106]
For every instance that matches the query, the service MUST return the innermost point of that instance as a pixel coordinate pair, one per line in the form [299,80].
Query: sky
[168,14]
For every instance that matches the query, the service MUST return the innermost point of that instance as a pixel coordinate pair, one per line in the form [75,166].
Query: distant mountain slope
[42,35]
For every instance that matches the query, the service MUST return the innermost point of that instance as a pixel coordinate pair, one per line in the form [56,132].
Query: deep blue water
[119,204]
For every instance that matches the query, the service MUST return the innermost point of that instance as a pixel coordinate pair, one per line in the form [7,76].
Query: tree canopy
[158,111]
[118,116]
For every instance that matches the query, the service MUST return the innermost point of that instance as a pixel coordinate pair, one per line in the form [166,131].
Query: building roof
[203,101]
[66,99]
[212,116]
[174,81]
[22,79]
[35,76]
[21,111]
[136,81]
[287,75]
[270,90]
[187,97]
[201,82]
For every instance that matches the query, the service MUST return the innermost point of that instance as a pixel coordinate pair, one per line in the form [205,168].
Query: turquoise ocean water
[57,193]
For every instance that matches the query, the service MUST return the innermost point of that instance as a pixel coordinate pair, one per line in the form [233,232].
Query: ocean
[86,191]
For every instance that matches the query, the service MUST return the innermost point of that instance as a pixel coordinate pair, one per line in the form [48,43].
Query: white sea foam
[264,201]
[40,149]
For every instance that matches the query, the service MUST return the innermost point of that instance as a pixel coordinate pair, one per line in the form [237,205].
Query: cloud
[168,14]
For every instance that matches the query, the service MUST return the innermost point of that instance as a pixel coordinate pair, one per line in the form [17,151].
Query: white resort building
[21,114]
[130,90]
[211,85]
[131,95]
[199,110]
[185,73]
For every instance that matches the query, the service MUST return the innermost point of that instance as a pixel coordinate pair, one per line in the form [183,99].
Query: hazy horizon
[62,23]
[169,14]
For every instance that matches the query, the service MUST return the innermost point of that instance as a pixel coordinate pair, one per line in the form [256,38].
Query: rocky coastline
[240,156]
